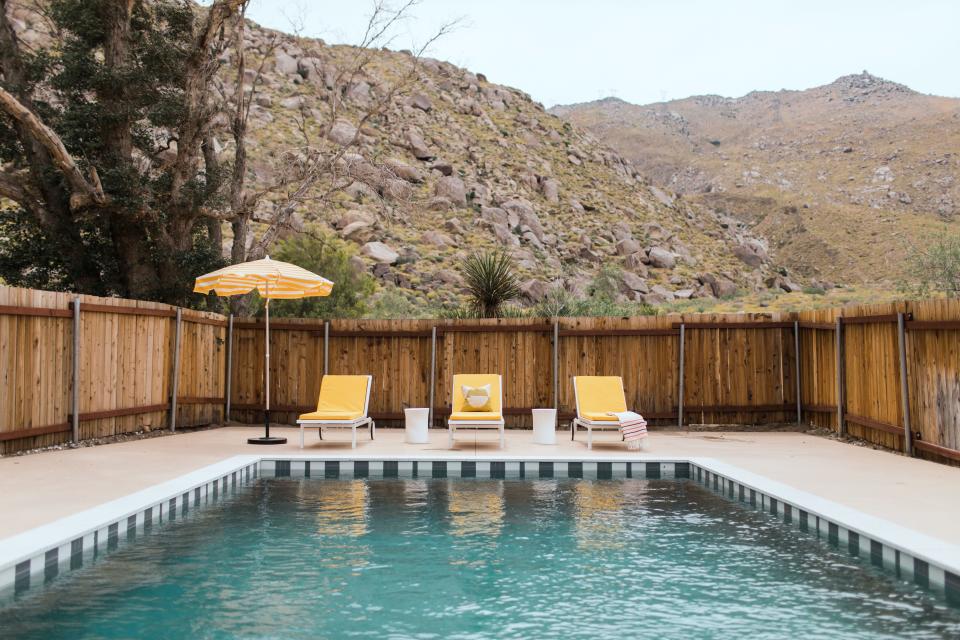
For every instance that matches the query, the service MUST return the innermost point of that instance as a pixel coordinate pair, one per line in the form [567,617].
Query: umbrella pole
[266,418]
[266,438]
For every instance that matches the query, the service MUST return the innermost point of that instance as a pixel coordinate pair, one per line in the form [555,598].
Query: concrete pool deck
[915,494]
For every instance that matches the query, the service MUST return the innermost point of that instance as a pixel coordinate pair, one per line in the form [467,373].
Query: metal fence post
[175,384]
[556,364]
[796,357]
[841,392]
[680,399]
[229,381]
[326,347]
[75,395]
[433,373]
[904,387]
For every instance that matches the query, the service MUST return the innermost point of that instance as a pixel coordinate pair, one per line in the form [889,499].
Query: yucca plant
[490,281]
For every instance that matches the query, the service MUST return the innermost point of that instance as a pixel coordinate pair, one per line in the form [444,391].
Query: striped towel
[632,425]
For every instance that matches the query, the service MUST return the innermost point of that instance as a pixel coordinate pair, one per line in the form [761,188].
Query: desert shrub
[329,257]
[936,268]
[491,282]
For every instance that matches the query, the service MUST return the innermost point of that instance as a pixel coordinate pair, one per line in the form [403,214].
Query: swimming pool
[473,558]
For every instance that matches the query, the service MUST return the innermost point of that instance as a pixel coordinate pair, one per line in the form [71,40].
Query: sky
[565,51]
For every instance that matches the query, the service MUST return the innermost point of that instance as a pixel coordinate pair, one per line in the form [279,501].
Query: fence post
[175,384]
[556,364]
[680,399]
[433,373]
[326,346]
[229,386]
[841,384]
[75,395]
[796,357]
[904,387]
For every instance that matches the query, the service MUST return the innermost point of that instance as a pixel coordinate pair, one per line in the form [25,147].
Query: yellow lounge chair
[343,403]
[461,419]
[597,397]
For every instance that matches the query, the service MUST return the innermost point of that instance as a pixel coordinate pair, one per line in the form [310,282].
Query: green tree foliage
[936,268]
[329,257]
[491,282]
[110,189]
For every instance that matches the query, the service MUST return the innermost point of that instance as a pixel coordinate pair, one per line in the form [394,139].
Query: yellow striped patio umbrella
[273,279]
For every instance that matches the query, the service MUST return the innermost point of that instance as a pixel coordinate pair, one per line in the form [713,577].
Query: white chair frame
[353,425]
[589,425]
[453,425]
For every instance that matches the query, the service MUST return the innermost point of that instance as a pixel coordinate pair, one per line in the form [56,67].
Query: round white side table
[416,426]
[545,426]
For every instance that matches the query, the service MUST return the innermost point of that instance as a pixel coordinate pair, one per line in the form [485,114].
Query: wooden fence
[73,368]
[691,368]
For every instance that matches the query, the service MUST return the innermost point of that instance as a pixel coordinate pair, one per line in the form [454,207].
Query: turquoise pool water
[467,558]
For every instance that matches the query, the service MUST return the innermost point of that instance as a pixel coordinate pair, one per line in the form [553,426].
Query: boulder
[534,290]
[359,92]
[293,102]
[684,294]
[445,168]
[404,171]
[495,215]
[721,287]
[285,64]
[418,145]
[621,231]
[451,188]
[551,190]
[397,189]
[660,293]
[342,132]
[627,246]
[438,239]
[503,235]
[751,253]
[354,228]
[634,263]
[633,282]
[379,252]
[361,191]
[310,69]
[420,101]
[661,258]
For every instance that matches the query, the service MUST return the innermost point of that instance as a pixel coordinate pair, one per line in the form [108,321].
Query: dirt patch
[122,437]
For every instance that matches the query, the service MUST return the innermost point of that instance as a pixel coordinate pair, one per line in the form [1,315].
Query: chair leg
[450,437]
[301,436]
[502,438]
[353,442]
[373,428]
[589,437]
[573,429]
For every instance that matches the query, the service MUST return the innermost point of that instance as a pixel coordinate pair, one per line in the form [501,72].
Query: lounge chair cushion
[341,398]
[345,416]
[476,398]
[597,416]
[597,396]
[474,416]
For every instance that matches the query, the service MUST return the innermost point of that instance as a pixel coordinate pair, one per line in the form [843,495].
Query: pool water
[469,558]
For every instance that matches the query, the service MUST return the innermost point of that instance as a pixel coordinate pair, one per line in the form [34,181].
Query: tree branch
[84,192]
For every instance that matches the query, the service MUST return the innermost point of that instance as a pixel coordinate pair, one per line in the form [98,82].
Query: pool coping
[42,553]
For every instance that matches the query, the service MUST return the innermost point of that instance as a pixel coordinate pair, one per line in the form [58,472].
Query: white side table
[416,426]
[545,426]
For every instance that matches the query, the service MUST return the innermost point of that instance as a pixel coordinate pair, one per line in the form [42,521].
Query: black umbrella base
[267,440]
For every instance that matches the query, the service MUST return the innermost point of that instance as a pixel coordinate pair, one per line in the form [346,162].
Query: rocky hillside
[456,163]
[842,180]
